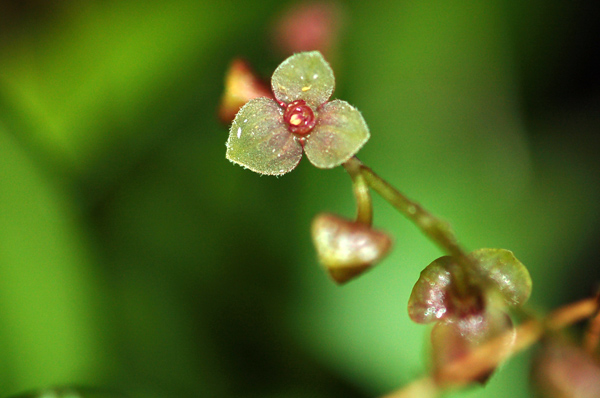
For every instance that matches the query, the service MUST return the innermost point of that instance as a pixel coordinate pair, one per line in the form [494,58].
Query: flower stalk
[364,206]
[592,334]
[488,355]
[439,231]
[467,295]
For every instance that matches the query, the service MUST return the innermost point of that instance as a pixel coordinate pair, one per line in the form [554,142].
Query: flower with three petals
[268,136]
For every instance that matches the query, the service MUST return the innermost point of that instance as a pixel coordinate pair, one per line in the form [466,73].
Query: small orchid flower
[268,136]
[465,321]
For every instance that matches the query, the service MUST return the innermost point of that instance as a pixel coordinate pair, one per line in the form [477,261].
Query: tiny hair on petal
[303,76]
[260,141]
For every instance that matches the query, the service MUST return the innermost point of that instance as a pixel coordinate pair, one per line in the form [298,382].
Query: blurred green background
[134,257]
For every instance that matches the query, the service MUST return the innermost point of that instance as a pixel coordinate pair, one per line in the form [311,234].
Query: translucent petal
[305,76]
[347,248]
[260,141]
[509,275]
[453,339]
[339,134]
[429,298]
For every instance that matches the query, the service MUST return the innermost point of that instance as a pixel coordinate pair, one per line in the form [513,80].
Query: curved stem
[439,231]
[364,206]
[486,357]
[591,338]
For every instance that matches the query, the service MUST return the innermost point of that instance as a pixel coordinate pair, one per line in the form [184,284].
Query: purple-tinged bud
[347,248]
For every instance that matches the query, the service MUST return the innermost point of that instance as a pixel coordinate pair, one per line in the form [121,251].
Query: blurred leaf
[70,392]
[50,320]
[100,64]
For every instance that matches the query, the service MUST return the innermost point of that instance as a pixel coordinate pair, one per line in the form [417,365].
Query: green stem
[364,206]
[488,355]
[437,230]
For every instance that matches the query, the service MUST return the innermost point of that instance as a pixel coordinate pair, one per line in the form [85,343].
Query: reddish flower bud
[241,85]
[468,306]
[307,27]
[454,338]
[563,370]
[432,297]
[347,248]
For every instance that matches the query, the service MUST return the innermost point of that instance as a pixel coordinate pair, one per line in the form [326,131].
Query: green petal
[305,76]
[260,141]
[339,134]
[510,276]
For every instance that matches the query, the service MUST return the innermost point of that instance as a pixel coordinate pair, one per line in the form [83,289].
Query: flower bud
[455,338]
[503,279]
[468,304]
[563,370]
[347,248]
[307,27]
[241,85]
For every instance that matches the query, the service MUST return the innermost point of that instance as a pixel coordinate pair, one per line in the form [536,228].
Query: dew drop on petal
[297,72]
[440,313]
[255,144]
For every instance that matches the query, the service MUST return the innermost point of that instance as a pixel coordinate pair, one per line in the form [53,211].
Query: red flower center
[299,117]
